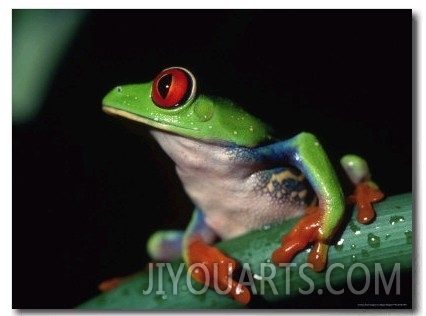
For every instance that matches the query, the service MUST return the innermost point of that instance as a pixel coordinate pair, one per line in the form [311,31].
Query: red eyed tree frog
[239,177]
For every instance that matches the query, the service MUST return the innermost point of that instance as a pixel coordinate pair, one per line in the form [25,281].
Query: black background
[87,191]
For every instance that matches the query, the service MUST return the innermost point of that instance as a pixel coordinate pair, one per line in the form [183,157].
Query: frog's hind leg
[165,245]
[366,191]
[320,222]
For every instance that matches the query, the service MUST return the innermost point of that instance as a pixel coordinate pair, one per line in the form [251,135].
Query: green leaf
[372,259]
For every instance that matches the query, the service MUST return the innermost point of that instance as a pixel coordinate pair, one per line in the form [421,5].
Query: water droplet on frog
[353,246]
[164,297]
[373,240]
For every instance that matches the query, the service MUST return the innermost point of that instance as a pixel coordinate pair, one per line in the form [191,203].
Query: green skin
[217,128]
[203,119]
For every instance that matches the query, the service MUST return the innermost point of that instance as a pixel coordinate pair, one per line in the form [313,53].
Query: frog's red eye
[173,87]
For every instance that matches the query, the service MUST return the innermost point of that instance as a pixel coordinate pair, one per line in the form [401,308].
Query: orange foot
[113,283]
[213,268]
[306,231]
[110,284]
[364,195]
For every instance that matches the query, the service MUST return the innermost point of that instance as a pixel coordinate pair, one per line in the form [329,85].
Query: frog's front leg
[320,223]
[208,265]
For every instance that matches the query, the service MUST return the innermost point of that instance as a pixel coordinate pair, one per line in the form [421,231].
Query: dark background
[87,191]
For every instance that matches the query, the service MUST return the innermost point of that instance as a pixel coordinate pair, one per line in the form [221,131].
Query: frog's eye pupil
[164,85]
[173,87]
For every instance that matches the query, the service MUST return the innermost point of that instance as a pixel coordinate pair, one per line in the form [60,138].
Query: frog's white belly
[236,195]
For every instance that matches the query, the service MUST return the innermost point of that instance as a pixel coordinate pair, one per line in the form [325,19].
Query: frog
[240,177]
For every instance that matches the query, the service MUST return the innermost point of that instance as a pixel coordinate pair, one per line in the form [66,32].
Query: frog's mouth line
[142,119]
